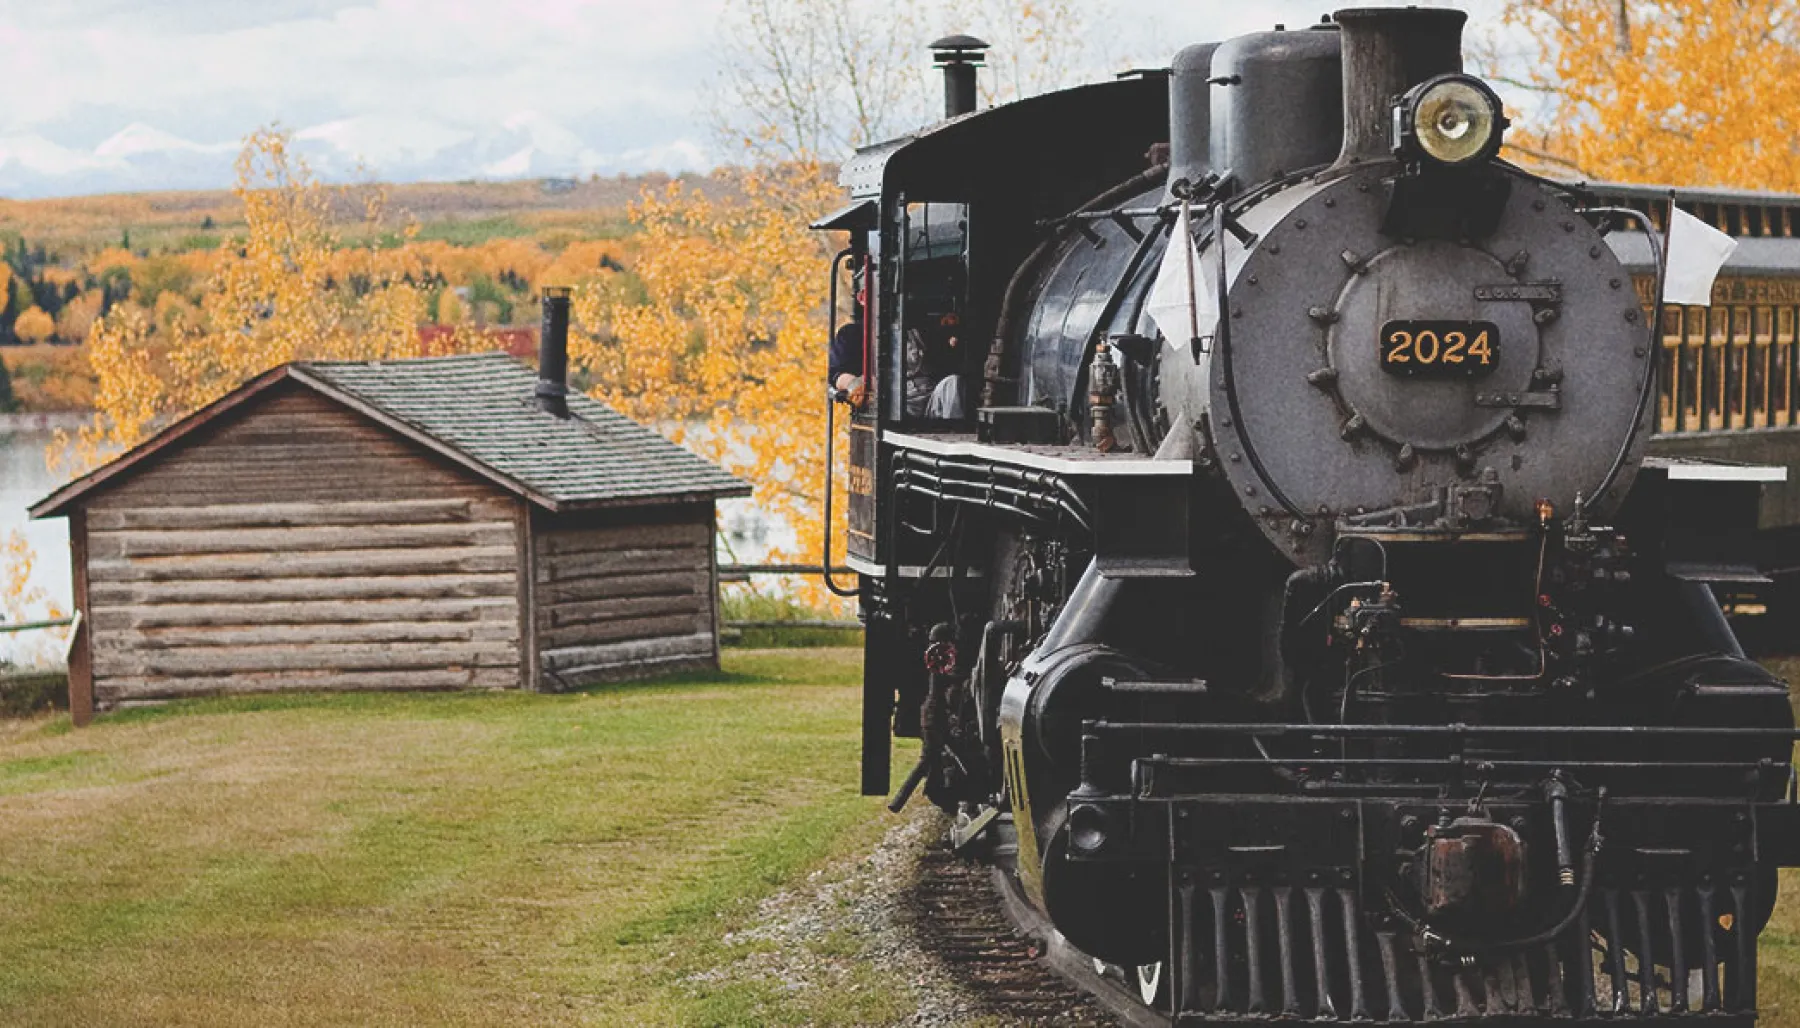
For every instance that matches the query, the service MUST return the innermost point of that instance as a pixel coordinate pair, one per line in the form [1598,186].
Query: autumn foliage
[20,600]
[1682,92]
[713,334]
[34,325]
[721,342]
[194,326]
[282,293]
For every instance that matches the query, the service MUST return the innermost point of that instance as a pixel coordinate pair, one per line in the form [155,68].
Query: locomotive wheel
[1151,984]
[1147,980]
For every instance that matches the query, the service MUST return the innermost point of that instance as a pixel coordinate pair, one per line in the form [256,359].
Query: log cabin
[430,523]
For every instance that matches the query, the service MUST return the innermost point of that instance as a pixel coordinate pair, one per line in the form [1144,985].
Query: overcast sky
[130,94]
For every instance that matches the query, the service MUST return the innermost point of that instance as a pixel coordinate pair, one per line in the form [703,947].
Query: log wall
[625,594]
[299,546]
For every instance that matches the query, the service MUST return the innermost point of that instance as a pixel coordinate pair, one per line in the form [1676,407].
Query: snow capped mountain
[545,135]
[526,144]
[33,154]
[137,139]
[516,165]
[380,141]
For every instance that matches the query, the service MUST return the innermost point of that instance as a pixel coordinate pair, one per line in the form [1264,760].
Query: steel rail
[1453,730]
[1465,762]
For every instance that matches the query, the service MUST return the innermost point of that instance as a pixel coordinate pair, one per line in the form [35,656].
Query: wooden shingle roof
[478,411]
[482,406]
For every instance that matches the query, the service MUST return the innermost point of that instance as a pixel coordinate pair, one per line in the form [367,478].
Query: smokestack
[959,56]
[553,353]
[1387,51]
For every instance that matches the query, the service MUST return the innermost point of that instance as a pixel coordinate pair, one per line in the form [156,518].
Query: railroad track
[1014,967]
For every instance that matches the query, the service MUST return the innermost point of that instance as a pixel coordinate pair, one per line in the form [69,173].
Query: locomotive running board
[1061,460]
[1140,532]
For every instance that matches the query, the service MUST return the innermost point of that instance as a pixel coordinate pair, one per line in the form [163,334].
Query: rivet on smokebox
[1631,315]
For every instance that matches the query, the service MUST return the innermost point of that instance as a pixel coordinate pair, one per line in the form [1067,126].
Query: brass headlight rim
[1410,143]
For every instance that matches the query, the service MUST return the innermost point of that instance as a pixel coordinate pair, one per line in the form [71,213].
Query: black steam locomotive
[1329,648]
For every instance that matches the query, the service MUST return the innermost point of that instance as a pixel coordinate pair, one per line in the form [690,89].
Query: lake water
[24,479]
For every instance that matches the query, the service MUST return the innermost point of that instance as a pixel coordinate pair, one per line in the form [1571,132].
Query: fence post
[81,640]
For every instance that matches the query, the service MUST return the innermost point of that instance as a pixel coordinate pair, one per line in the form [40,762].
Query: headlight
[1451,119]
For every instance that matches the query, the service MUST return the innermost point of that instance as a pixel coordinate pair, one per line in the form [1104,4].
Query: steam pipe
[1659,249]
[1559,820]
[1083,618]
[995,370]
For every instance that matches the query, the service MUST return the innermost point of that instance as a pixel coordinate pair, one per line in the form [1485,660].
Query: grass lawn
[1778,963]
[469,859]
[1778,966]
[475,859]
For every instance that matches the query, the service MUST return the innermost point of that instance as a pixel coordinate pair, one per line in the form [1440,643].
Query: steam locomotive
[1329,648]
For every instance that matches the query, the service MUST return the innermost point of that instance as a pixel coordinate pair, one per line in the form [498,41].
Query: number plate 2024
[1440,349]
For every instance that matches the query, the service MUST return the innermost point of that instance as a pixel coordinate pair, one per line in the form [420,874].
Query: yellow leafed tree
[22,601]
[723,348]
[78,316]
[1684,92]
[34,325]
[287,290]
[730,329]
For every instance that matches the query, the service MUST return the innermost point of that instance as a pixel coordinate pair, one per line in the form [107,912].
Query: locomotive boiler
[1275,580]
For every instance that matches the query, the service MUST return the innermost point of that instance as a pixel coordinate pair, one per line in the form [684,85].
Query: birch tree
[811,80]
